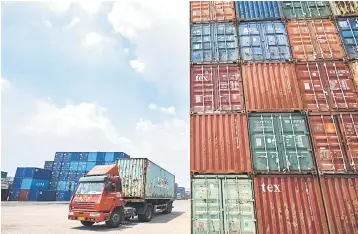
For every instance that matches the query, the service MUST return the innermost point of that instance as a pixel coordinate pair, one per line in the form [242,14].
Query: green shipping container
[305,9]
[280,142]
[222,204]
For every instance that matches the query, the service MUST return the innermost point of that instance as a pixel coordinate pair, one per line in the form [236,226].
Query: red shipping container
[208,11]
[24,193]
[271,87]
[340,195]
[289,204]
[216,88]
[326,86]
[219,144]
[313,40]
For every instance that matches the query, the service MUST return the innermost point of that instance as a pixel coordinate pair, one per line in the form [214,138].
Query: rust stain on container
[219,144]
[326,86]
[314,40]
[289,204]
[340,195]
[354,69]
[216,88]
[208,11]
[271,87]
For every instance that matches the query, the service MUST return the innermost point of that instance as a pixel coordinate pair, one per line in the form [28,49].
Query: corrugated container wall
[348,28]
[219,144]
[326,86]
[222,204]
[257,10]
[305,9]
[263,41]
[280,143]
[208,11]
[353,65]
[271,87]
[144,179]
[344,8]
[289,204]
[216,88]
[340,195]
[313,40]
[216,42]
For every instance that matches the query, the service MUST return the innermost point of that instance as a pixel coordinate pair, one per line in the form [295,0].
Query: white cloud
[90,6]
[47,23]
[137,65]
[152,106]
[126,50]
[169,110]
[5,84]
[74,21]
[95,39]
[59,7]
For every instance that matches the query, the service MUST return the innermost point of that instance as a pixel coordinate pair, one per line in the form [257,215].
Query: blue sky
[95,77]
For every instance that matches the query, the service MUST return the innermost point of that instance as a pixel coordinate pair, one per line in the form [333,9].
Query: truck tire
[147,216]
[115,220]
[169,208]
[87,223]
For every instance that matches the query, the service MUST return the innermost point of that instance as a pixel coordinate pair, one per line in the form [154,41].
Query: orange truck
[114,193]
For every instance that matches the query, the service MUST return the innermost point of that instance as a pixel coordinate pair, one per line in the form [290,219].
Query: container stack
[48,165]
[274,115]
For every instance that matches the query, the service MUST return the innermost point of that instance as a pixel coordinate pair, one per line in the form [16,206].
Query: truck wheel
[169,208]
[147,216]
[87,223]
[115,220]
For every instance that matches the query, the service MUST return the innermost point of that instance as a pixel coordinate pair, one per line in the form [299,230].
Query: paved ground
[43,218]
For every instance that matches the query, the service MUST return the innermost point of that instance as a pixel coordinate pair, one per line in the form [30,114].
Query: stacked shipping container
[274,117]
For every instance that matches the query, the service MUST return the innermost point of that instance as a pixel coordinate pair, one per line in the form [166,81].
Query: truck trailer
[114,193]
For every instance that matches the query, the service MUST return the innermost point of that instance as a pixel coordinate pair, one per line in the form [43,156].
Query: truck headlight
[95,214]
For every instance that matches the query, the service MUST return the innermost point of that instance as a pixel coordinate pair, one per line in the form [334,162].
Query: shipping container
[29,183]
[72,175]
[289,204]
[340,195]
[344,8]
[143,179]
[66,157]
[208,11]
[305,9]
[66,166]
[102,163]
[180,195]
[280,143]
[92,156]
[74,166]
[271,87]
[48,165]
[264,41]
[222,204]
[219,144]
[63,175]
[53,185]
[100,156]
[17,183]
[90,165]
[120,155]
[216,42]
[14,194]
[348,28]
[326,86]
[63,196]
[46,195]
[23,195]
[57,166]
[37,173]
[216,88]
[353,65]
[83,156]
[257,10]
[109,157]
[32,196]
[313,40]
[58,157]
[5,194]
[3,174]
[20,172]
[75,157]
[82,166]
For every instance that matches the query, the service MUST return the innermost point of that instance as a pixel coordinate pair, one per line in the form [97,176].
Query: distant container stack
[273,115]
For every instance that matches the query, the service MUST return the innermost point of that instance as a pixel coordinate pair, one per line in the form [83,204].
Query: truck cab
[98,198]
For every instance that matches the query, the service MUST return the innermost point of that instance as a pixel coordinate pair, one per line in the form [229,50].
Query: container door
[343,95]
[239,213]
[294,9]
[296,146]
[206,206]
[132,173]
[354,69]
[202,47]
[318,9]
[327,143]
[225,38]
[348,28]
[250,42]
[349,127]
[222,10]
[200,12]
[263,143]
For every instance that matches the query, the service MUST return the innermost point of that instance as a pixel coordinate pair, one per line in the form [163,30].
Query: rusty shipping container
[340,195]
[313,40]
[344,8]
[216,88]
[289,204]
[354,69]
[219,144]
[326,86]
[208,11]
[335,140]
[271,87]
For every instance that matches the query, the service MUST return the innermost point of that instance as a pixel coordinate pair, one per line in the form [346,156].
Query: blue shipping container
[264,41]
[215,42]
[30,183]
[257,10]
[14,195]
[58,157]
[75,157]
[72,175]
[46,195]
[48,165]
[83,156]
[100,163]
[348,28]
[32,196]
[108,163]
[92,156]
[63,175]
[61,185]
[67,157]
[82,166]
[120,155]
[53,185]
[37,173]
[20,172]
[100,156]
[16,184]
[73,166]
[55,175]
[109,156]
[90,165]
[66,166]
[63,196]
[57,166]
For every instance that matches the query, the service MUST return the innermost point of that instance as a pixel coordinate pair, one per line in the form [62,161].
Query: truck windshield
[90,188]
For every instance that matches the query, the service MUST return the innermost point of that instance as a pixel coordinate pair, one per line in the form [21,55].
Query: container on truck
[131,187]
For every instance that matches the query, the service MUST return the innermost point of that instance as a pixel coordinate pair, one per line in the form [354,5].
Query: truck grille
[83,205]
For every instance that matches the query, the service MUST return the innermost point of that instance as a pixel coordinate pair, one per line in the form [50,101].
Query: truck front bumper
[90,216]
